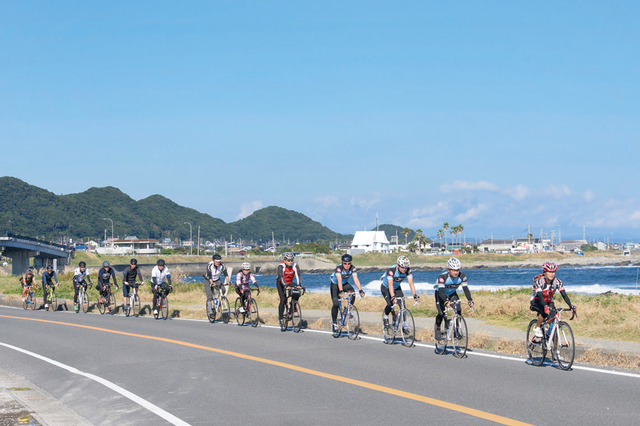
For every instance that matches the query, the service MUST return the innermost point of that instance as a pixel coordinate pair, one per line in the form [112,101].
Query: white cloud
[635,215]
[589,195]
[367,203]
[248,208]
[429,216]
[557,191]
[472,213]
[519,192]
[327,201]
[462,185]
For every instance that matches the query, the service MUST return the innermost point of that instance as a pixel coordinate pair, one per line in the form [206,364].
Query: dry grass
[621,360]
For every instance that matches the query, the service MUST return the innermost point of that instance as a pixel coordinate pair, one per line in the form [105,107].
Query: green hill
[31,211]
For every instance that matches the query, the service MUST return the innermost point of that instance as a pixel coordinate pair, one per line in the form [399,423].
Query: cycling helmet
[453,263]
[82,264]
[49,267]
[133,262]
[549,267]
[289,256]
[403,262]
[246,265]
[347,258]
[105,264]
[216,257]
[160,262]
[29,271]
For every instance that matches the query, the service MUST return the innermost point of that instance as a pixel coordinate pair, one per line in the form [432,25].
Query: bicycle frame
[557,338]
[402,323]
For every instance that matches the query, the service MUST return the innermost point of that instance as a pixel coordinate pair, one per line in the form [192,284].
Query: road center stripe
[384,389]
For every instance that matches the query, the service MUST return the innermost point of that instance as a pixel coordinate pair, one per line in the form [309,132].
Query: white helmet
[289,256]
[403,262]
[246,265]
[453,263]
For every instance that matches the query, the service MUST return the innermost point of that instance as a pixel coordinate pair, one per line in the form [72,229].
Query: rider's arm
[113,274]
[253,280]
[390,283]
[88,279]
[411,285]
[280,275]
[356,281]
[565,296]
[296,268]
[339,279]
[140,276]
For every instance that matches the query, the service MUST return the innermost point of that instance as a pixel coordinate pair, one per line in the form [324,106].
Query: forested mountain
[31,211]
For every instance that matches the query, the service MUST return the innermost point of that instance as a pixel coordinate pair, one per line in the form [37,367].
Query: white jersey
[81,275]
[159,275]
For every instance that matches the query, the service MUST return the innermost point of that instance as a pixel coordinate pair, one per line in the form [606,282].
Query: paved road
[201,373]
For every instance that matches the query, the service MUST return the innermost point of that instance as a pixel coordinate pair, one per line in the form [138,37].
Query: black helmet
[347,258]
[133,262]
[29,271]
[49,267]
[160,262]
[216,257]
[82,264]
[106,264]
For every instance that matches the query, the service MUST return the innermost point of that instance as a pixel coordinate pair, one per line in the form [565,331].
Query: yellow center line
[384,389]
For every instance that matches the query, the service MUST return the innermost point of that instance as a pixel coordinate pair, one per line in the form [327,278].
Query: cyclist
[243,284]
[104,281]
[28,281]
[390,286]
[80,277]
[160,280]
[48,277]
[544,287]
[446,292]
[340,282]
[130,275]
[287,272]
[215,271]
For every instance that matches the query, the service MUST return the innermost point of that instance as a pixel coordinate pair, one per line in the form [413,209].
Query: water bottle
[216,303]
[550,330]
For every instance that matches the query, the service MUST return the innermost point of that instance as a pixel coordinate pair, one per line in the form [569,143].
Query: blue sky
[496,115]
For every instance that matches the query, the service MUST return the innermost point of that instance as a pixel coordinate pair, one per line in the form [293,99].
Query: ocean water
[584,279]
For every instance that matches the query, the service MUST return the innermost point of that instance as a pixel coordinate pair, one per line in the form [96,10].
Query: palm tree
[406,232]
[445,226]
[460,229]
[417,237]
[440,235]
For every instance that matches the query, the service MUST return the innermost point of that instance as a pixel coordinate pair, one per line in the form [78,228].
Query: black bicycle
[292,311]
[107,302]
[249,310]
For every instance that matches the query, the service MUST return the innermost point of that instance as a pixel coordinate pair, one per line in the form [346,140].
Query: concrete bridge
[20,249]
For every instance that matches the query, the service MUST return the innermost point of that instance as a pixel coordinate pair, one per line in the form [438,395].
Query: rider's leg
[209,292]
[336,303]
[283,300]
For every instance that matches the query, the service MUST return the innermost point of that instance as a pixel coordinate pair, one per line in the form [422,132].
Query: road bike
[219,306]
[557,338]
[107,301]
[454,330]
[250,310]
[134,301]
[51,300]
[162,309]
[30,300]
[401,323]
[292,311]
[83,297]
[349,317]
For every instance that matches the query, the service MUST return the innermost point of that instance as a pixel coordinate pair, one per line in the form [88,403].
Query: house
[130,245]
[366,241]
[497,246]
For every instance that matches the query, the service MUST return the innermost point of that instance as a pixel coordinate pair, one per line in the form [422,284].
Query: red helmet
[549,267]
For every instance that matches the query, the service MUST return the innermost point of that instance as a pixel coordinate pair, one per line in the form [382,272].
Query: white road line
[133,397]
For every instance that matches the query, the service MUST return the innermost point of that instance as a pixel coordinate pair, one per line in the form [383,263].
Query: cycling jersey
[215,272]
[130,274]
[396,275]
[345,274]
[286,274]
[104,276]
[158,277]
[79,276]
[243,281]
[543,292]
[28,280]
[48,278]
[448,285]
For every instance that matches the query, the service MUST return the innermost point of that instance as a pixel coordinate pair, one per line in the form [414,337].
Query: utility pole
[106,218]
[273,243]
[190,238]
[198,240]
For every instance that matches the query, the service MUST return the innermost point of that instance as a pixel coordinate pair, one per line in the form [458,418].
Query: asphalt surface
[359,382]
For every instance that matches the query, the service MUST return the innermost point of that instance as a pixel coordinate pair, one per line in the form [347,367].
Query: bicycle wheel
[135,307]
[353,323]
[25,303]
[84,301]
[253,312]
[165,307]
[535,345]
[460,337]
[441,342]
[127,309]
[54,302]
[388,331]
[297,317]
[33,301]
[102,306]
[408,329]
[564,346]
[225,311]
[211,315]
[240,316]
[336,330]
[112,304]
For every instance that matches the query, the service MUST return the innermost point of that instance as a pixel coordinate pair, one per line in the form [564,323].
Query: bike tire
[408,329]
[297,317]
[25,303]
[564,346]
[112,304]
[54,302]
[102,306]
[388,332]
[353,323]
[127,309]
[136,305]
[535,346]
[225,311]
[211,316]
[441,344]
[84,301]
[33,301]
[460,337]
[336,330]
[240,316]
[165,308]
[253,312]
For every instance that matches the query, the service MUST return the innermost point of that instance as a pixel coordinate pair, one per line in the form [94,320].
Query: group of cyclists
[289,285]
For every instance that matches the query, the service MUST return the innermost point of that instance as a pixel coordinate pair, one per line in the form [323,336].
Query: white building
[365,241]
[130,245]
